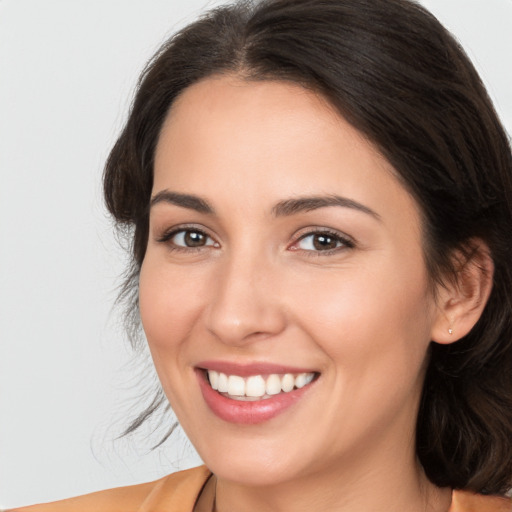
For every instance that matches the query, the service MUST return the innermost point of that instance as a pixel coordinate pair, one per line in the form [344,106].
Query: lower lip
[247,412]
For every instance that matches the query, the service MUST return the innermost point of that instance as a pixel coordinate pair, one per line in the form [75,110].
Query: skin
[362,315]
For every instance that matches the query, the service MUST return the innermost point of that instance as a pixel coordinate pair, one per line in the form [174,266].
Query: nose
[245,304]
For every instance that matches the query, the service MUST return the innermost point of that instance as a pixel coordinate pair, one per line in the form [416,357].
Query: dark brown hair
[399,77]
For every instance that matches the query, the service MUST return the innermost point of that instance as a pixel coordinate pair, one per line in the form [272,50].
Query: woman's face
[283,254]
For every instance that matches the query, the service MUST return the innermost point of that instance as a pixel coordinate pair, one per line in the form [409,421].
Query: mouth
[252,394]
[257,387]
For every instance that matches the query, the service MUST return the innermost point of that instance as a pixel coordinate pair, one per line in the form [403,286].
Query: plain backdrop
[67,379]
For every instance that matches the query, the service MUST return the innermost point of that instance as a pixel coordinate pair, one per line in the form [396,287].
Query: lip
[246,370]
[248,412]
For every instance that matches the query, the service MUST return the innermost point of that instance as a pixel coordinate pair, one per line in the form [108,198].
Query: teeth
[257,386]
[273,385]
[288,383]
[222,384]
[303,379]
[236,385]
[214,380]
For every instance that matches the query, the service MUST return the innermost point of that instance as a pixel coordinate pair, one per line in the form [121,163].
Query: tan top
[180,491]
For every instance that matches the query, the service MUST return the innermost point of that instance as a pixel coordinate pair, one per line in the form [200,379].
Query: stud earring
[450,331]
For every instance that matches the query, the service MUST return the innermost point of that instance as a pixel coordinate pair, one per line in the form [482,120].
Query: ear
[461,299]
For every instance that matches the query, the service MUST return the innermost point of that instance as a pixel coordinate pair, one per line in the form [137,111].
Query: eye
[322,241]
[188,239]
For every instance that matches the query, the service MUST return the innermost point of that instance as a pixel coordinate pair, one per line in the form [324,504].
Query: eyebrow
[184,200]
[306,204]
[284,208]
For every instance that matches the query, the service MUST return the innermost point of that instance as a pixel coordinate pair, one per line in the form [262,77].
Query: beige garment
[179,492]
[173,493]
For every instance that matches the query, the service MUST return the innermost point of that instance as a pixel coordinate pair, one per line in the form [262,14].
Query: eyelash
[345,242]
[169,235]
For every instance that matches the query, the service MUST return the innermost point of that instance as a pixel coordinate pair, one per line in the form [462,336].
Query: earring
[450,331]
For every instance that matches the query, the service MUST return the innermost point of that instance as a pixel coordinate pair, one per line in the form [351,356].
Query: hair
[400,78]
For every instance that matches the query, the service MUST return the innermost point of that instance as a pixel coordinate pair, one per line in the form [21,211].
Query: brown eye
[322,242]
[194,239]
[190,238]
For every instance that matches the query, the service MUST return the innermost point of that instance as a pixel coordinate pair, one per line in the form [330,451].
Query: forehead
[225,110]
[267,139]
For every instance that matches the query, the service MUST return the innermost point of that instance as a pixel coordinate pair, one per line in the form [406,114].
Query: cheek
[374,329]
[170,302]
[370,320]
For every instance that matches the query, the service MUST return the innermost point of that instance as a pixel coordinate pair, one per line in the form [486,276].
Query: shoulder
[182,487]
[464,501]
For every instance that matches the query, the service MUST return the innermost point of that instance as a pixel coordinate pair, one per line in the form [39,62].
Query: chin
[253,472]
[258,461]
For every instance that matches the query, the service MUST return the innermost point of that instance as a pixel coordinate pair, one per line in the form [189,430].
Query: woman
[321,199]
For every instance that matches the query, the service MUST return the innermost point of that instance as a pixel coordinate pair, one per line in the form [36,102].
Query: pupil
[323,242]
[194,239]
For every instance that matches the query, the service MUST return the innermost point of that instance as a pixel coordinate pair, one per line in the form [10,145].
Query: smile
[252,394]
[257,387]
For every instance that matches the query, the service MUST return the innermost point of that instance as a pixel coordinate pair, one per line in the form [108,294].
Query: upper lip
[248,369]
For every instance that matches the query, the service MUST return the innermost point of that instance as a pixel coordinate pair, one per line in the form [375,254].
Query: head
[401,90]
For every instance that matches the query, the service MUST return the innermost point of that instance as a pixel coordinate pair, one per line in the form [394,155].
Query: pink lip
[246,370]
[248,412]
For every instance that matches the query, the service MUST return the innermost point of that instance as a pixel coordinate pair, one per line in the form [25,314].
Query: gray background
[67,71]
